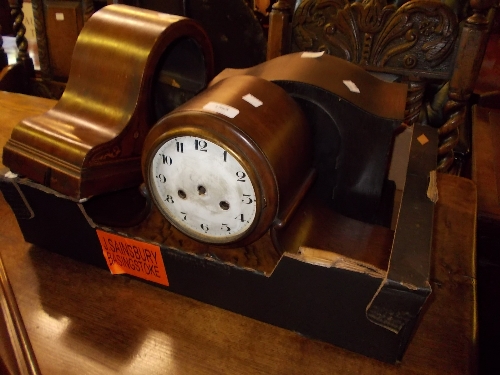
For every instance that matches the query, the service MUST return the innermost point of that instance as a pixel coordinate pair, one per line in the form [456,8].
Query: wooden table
[82,320]
[486,175]
[485,164]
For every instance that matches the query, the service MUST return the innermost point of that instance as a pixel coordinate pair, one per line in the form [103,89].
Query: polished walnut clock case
[231,163]
[130,66]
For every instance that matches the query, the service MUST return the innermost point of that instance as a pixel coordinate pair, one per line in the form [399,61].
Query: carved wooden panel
[417,38]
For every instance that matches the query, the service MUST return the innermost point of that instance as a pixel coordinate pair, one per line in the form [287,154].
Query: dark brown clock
[231,163]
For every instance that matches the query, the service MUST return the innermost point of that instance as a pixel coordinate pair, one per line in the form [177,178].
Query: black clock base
[366,308]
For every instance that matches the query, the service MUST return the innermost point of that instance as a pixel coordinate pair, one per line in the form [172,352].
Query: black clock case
[355,310]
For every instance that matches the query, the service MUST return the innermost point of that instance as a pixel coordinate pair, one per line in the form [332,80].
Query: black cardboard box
[322,295]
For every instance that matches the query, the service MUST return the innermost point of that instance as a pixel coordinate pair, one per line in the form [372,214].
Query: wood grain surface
[83,320]
[485,163]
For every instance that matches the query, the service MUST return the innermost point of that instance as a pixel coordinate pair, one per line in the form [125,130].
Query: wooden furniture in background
[420,41]
[6,20]
[58,24]
[80,319]
[63,23]
[17,77]
[486,139]
[16,352]
[485,167]
[236,36]
[486,175]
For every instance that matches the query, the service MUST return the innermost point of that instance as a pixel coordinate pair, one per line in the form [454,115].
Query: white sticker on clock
[312,55]
[222,109]
[252,100]
[60,16]
[351,86]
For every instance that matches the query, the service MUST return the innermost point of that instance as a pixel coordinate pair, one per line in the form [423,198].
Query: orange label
[140,259]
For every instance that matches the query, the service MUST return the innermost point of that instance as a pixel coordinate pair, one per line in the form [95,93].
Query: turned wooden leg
[470,54]
[280,28]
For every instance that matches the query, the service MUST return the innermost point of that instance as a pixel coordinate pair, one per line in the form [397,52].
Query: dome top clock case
[236,161]
[231,162]
[143,64]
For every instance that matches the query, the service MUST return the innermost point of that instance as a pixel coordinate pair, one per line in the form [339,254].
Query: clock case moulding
[333,272]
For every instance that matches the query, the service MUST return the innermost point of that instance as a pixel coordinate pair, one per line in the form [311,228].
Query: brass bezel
[226,135]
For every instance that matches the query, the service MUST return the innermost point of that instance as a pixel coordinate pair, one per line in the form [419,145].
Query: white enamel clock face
[203,190]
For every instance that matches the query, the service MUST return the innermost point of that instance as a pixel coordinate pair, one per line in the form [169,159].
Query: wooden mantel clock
[231,162]
[226,165]
[130,66]
[236,161]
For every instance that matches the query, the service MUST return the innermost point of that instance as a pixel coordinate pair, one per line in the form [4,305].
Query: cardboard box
[366,299]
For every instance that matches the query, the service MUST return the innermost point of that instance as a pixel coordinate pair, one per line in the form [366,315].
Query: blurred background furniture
[15,77]
[486,174]
[428,44]
[236,34]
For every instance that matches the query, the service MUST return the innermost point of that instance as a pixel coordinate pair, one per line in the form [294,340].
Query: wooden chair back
[420,41]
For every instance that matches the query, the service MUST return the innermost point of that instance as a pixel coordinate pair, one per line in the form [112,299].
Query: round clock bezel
[241,147]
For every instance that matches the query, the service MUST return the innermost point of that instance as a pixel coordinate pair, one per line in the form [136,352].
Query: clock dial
[231,163]
[203,189]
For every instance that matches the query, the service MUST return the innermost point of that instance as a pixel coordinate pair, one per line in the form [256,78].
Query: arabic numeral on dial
[226,228]
[184,218]
[241,218]
[200,145]
[169,199]
[166,159]
[179,146]
[204,227]
[247,199]
[162,178]
[241,176]
[224,154]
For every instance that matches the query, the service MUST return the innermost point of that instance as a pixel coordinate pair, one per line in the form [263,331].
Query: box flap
[406,286]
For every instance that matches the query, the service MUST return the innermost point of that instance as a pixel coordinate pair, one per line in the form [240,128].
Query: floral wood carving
[415,39]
